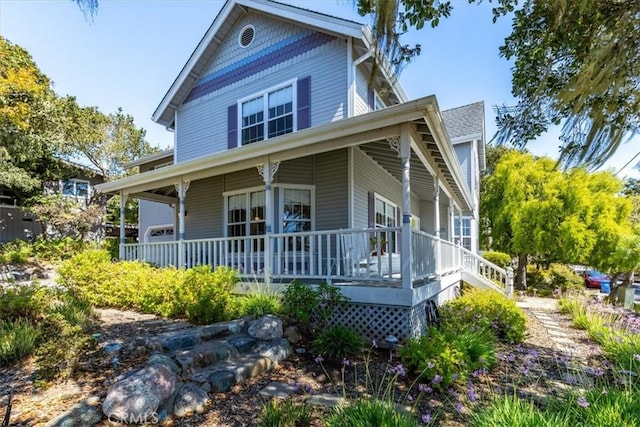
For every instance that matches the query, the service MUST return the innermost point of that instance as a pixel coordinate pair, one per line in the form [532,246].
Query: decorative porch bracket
[123,237]
[267,171]
[181,188]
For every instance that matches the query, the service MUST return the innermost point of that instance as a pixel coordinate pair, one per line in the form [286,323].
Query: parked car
[636,288]
[595,279]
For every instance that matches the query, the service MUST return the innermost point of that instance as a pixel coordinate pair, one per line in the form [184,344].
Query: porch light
[392,343]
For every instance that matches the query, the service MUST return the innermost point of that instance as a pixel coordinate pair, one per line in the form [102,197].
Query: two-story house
[291,162]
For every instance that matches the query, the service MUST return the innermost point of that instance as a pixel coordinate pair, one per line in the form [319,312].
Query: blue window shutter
[232,126]
[372,100]
[304,102]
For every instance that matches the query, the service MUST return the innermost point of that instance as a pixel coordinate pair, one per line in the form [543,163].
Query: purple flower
[436,379]
[582,401]
[410,398]
[308,389]
[374,344]
[319,359]
[471,395]
[511,357]
[454,377]
[295,385]
[533,354]
[346,362]
[424,388]
[459,407]
[426,418]
[430,365]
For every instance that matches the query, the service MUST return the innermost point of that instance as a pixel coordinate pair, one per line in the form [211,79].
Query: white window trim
[265,108]
[152,228]
[226,194]
[246,192]
[387,201]
[75,182]
[312,189]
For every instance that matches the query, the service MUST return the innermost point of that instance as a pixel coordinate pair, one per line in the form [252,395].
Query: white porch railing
[483,268]
[354,254]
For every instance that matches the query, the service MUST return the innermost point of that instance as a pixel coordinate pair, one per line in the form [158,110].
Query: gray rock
[222,381]
[242,343]
[80,415]
[180,339]
[293,334]
[112,347]
[266,328]
[190,399]
[278,351]
[277,390]
[140,395]
[162,359]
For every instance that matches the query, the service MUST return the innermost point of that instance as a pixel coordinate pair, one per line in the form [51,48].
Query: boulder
[266,328]
[139,396]
[190,399]
[82,414]
[162,359]
[293,334]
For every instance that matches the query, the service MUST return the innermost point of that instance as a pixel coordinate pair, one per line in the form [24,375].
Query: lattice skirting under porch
[376,322]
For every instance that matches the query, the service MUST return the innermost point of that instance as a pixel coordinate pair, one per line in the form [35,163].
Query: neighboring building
[79,184]
[288,165]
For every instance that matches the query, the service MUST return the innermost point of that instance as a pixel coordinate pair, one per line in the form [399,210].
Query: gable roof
[465,121]
[222,25]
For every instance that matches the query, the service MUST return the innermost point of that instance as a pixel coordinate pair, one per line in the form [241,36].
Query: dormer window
[267,115]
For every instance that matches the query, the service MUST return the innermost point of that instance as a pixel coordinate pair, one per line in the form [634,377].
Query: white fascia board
[466,138]
[449,156]
[372,121]
[325,23]
[306,17]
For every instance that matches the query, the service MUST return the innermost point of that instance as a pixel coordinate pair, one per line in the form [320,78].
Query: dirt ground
[536,369]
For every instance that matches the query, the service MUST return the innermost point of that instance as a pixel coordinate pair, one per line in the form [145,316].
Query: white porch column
[406,255]
[267,171]
[123,237]
[436,212]
[460,227]
[181,188]
[451,221]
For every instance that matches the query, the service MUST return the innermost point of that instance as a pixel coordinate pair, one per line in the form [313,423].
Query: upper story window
[267,115]
[77,188]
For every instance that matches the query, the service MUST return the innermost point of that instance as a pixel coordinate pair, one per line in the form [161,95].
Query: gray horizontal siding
[204,206]
[427,218]
[298,171]
[463,152]
[361,101]
[202,123]
[332,194]
[369,176]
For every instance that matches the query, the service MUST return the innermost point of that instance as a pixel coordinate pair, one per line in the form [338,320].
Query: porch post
[405,155]
[460,227]
[123,236]
[181,188]
[267,170]
[436,209]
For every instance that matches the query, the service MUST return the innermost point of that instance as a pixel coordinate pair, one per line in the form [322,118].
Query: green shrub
[16,252]
[284,414]
[564,278]
[337,342]
[498,258]
[312,307]
[260,304]
[509,411]
[366,413]
[17,340]
[204,295]
[441,355]
[27,302]
[538,278]
[61,347]
[88,273]
[486,310]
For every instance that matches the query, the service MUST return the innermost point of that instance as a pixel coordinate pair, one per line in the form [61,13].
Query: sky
[131,52]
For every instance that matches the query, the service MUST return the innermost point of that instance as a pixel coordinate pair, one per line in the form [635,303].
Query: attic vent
[246,35]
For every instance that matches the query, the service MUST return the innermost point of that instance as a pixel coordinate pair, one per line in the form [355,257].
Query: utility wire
[628,163]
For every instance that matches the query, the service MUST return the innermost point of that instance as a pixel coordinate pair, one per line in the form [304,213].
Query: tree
[576,63]
[532,209]
[29,120]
